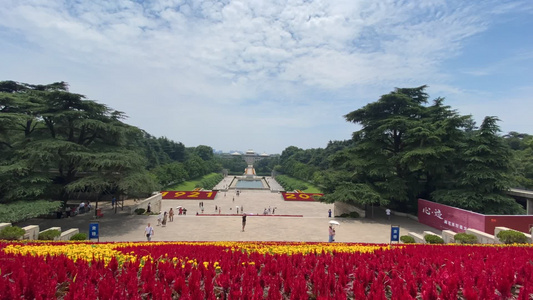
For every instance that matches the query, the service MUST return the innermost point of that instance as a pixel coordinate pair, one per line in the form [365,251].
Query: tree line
[407,148]
[59,145]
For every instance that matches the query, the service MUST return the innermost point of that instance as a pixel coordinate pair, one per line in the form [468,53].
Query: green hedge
[12,233]
[210,182]
[23,210]
[79,237]
[512,237]
[433,239]
[465,238]
[290,184]
[140,211]
[406,239]
[49,235]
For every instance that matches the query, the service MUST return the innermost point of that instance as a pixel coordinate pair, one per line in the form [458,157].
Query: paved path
[312,227]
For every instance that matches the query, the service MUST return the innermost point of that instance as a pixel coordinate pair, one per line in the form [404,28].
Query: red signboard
[445,217]
[300,196]
[516,222]
[188,195]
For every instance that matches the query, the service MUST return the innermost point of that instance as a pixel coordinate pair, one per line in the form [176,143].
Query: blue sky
[265,75]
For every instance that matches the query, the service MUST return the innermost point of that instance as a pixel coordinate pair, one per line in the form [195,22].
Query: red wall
[444,217]
[520,223]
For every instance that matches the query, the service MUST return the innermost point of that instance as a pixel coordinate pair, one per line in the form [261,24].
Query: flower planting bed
[258,270]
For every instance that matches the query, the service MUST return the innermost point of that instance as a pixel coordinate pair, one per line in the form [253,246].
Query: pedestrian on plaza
[202,209]
[237,209]
[159,218]
[233,199]
[331,234]
[219,210]
[269,210]
[149,208]
[149,232]
[216,208]
[171,215]
[113,201]
[164,222]
[387,211]
[329,213]
[274,210]
[184,211]
[242,208]
[243,221]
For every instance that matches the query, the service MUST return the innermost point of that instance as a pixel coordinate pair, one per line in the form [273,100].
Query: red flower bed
[300,196]
[198,271]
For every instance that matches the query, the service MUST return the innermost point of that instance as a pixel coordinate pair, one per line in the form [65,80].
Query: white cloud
[240,61]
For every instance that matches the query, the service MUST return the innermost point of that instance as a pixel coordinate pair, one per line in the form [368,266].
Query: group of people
[269,211]
[162,218]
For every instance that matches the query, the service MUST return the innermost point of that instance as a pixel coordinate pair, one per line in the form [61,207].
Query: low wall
[418,238]
[32,232]
[65,236]
[482,237]
[340,208]
[4,225]
[448,236]
[155,204]
[52,228]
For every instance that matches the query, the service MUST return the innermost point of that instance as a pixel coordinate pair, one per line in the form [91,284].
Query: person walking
[243,221]
[387,211]
[331,234]
[149,232]
[164,222]
[171,215]
[159,218]
[329,213]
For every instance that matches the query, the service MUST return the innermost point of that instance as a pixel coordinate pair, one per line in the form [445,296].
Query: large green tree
[482,174]
[56,143]
[408,149]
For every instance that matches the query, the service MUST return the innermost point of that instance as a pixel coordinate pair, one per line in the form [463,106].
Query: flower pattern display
[259,270]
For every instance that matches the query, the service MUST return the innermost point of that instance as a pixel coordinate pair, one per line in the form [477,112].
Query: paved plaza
[310,226]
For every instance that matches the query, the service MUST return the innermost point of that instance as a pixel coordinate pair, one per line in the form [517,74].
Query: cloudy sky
[265,75]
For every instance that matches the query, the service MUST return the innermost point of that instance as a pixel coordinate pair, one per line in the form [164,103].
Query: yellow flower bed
[105,252]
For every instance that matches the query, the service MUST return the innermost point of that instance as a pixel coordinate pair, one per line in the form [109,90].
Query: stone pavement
[312,227]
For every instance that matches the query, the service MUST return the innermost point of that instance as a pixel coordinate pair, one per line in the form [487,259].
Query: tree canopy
[408,148]
[55,143]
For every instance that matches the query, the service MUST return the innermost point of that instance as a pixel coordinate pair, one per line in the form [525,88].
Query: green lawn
[189,185]
[310,187]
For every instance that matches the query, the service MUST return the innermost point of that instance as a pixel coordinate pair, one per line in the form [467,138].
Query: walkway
[312,227]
